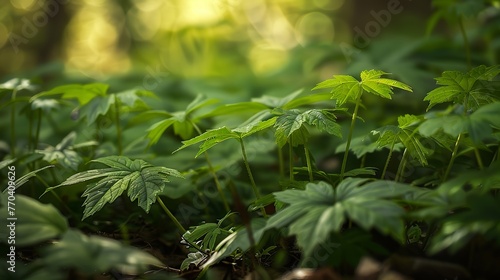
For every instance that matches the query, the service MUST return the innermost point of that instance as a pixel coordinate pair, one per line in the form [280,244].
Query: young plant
[94,101]
[312,214]
[348,89]
[290,127]
[184,123]
[404,133]
[14,86]
[472,91]
[267,106]
[141,180]
[215,136]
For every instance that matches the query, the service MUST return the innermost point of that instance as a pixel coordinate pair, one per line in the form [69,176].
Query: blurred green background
[282,43]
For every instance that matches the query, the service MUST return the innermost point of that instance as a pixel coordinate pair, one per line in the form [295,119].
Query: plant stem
[308,160]
[118,127]
[388,159]
[170,215]
[402,165]
[478,159]
[281,163]
[363,161]
[466,41]
[245,160]
[13,125]
[453,156]
[349,138]
[214,174]
[38,126]
[290,151]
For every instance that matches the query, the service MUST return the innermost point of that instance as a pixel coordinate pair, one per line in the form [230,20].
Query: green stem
[290,151]
[118,127]
[13,125]
[249,171]
[30,132]
[349,138]
[453,156]
[466,41]
[388,159]
[170,215]
[363,161]
[308,160]
[214,174]
[38,126]
[245,160]
[402,165]
[478,159]
[281,162]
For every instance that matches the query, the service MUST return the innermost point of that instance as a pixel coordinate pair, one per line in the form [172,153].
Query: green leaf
[211,232]
[404,133]
[196,259]
[97,106]
[482,218]
[290,126]
[142,180]
[156,130]
[36,222]
[318,210]
[63,153]
[215,136]
[26,177]
[346,88]
[455,86]
[93,255]
[478,124]
[255,127]
[132,97]
[84,93]
[237,240]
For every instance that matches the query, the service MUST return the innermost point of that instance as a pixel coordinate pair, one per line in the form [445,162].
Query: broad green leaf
[346,88]
[237,108]
[216,136]
[142,180]
[479,125]
[290,125]
[255,127]
[132,97]
[182,121]
[323,121]
[199,102]
[156,130]
[36,222]
[94,255]
[63,153]
[312,214]
[84,93]
[148,115]
[97,106]
[276,102]
[456,86]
